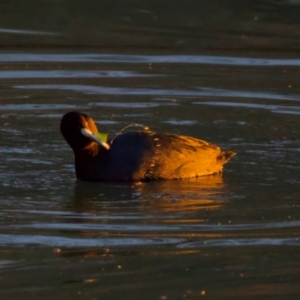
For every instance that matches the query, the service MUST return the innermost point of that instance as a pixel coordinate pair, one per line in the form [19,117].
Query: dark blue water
[222,237]
[237,233]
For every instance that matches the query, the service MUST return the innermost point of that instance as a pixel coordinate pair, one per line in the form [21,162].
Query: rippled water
[227,236]
[224,71]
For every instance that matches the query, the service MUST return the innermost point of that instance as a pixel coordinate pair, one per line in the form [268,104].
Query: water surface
[222,237]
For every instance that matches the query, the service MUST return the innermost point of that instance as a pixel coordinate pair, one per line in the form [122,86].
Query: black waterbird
[138,155]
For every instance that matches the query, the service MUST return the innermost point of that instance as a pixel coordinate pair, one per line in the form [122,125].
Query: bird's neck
[85,161]
[90,150]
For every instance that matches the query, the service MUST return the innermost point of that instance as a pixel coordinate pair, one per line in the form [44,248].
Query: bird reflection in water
[207,192]
[183,195]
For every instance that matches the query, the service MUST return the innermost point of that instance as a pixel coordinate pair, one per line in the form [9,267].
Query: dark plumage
[138,155]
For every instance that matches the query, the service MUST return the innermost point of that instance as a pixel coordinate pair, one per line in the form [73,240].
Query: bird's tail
[225,156]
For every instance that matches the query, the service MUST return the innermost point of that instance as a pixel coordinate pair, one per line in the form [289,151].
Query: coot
[138,155]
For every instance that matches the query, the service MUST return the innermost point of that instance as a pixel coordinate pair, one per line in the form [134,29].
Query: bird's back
[145,155]
[180,156]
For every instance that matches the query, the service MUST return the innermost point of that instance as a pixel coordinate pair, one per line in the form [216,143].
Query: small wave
[273,108]
[165,227]
[197,92]
[242,242]
[57,241]
[13,150]
[70,74]
[147,59]
[181,122]
[26,32]
[73,215]
[126,104]
[22,107]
